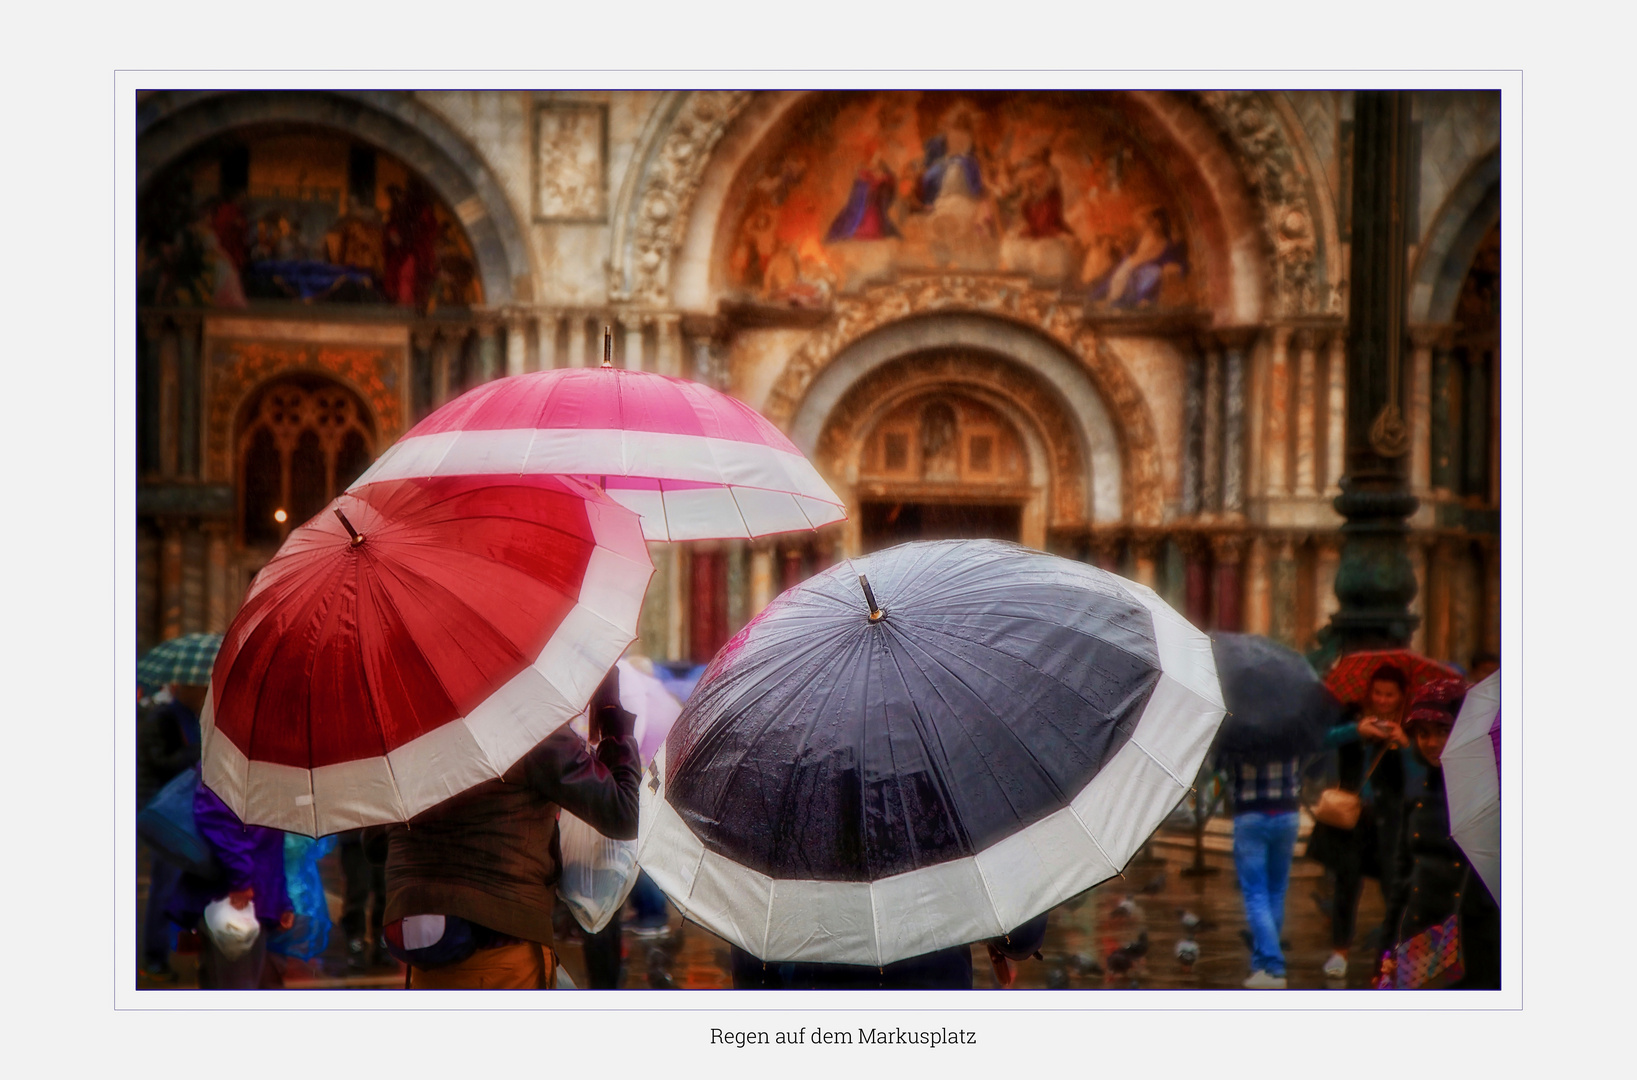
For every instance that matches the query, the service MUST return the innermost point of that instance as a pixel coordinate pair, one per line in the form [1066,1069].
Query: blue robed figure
[939,161]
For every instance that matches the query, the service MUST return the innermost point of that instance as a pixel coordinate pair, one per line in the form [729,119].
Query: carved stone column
[1145,551]
[668,345]
[1444,422]
[1327,558]
[790,567]
[195,590]
[739,600]
[589,353]
[445,355]
[1210,467]
[1276,431]
[677,590]
[761,577]
[548,324]
[190,387]
[1193,435]
[1196,553]
[1424,339]
[1282,587]
[1335,419]
[1234,357]
[1228,549]
[633,340]
[1376,581]
[1103,549]
[1258,610]
[219,606]
[517,344]
[652,628]
[170,579]
[1418,606]
[1306,412]
[488,351]
[170,403]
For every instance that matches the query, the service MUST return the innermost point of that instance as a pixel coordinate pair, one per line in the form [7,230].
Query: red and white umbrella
[415,639]
[694,462]
[1472,781]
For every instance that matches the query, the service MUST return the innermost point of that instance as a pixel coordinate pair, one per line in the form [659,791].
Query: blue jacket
[252,856]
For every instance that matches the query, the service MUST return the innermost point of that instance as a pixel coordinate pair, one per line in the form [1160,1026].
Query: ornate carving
[667,192]
[1269,163]
[1059,318]
[238,367]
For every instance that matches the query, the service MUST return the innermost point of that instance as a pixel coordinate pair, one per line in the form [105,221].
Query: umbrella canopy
[1277,707]
[383,663]
[185,660]
[1349,678]
[647,699]
[1004,732]
[1472,781]
[695,463]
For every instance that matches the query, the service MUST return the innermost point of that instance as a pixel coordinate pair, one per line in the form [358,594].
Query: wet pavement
[1122,934]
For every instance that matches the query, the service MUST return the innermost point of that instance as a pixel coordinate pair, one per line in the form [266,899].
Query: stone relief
[1269,163]
[570,142]
[668,189]
[1007,298]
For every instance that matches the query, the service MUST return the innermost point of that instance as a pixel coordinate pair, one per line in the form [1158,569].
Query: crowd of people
[463,898]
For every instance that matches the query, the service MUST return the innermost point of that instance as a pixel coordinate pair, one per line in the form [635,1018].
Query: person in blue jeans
[1266,795]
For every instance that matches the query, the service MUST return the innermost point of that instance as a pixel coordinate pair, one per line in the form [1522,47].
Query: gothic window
[303,440]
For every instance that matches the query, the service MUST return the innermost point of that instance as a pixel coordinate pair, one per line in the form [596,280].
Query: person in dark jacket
[944,969]
[167,744]
[471,883]
[1435,878]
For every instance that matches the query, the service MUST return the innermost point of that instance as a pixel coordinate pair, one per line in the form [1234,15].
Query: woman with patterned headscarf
[1435,879]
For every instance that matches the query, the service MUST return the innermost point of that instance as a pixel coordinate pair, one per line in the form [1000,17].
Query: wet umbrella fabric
[695,463]
[1005,736]
[1349,678]
[364,681]
[1472,781]
[185,660]
[1277,707]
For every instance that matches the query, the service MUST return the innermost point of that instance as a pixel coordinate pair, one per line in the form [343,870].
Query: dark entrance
[890,522]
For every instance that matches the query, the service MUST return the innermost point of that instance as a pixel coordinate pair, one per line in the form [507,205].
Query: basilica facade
[1107,324]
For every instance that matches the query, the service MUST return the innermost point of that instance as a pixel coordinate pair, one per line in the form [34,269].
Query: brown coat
[490,856]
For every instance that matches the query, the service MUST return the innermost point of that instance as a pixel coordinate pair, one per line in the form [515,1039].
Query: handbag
[1339,808]
[166,823]
[1432,959]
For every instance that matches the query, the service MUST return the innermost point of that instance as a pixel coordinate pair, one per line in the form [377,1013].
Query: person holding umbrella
[471,882]
[1435,878]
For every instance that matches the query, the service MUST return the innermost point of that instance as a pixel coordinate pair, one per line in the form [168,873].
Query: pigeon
[1057,978]
[1188,952]
[1127,907]
[1084,964]
[1190,922]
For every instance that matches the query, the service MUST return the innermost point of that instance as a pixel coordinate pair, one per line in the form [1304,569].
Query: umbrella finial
[357,537]
[876,613]
[608,347]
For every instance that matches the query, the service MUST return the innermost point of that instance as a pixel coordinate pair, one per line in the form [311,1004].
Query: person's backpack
[167,824]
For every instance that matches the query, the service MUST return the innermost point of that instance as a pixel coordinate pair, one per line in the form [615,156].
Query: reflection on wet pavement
[1157,928]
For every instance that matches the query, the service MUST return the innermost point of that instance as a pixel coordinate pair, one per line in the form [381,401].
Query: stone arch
[1470,210]
[999,316]
[171,123]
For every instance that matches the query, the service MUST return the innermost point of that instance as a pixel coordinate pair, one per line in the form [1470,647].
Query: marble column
[549,357]
[1419,400]
[1145,552]
[1326,558]
[445,355]
[1491,630]
[1282,587]
[421,388]
[1193,432]
[1103,550]
[1306,412]
[1228,551]
[668,345]
[738,552]
[590,350]
[170,401]
[1276,429]
[189,389]
[1418,606]
[219,606]
[1258,612]
[170,580]
[1475,468]
[677,590]
[1233,424]
[1210,463]
[652,626]
[761,577]
[489,347]
[633,341]
[194,588]
[1197,578]
[1335,419]
[702,367]
[517,344]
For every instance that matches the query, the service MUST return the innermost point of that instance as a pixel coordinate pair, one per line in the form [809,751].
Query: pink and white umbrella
[695,463]
[1472,781]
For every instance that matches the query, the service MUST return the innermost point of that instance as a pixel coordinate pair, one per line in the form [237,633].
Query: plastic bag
[232,930]
[309,935]
[167,824]
[598,873]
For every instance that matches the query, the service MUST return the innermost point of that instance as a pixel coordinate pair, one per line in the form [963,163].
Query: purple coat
[252,856]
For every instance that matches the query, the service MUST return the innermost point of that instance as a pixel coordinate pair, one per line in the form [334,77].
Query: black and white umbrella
[869,772]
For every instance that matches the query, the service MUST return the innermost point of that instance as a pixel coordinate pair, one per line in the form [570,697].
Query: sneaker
[1335,967]
[1261,980]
